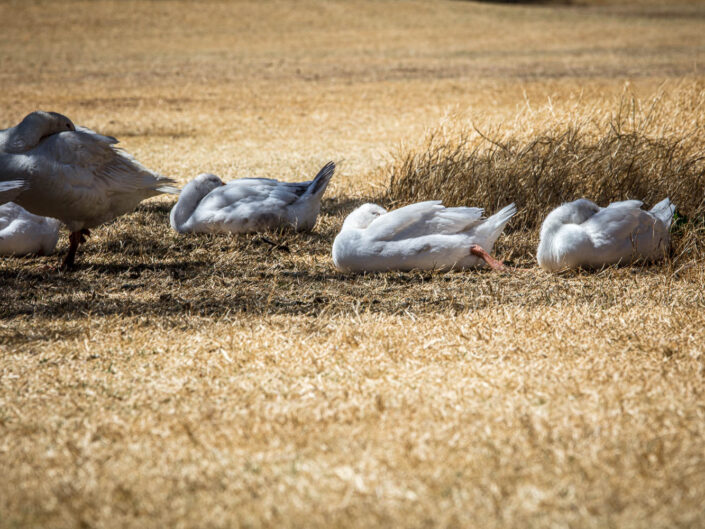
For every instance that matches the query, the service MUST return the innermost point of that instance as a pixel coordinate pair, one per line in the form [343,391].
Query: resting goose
[207,205]
[32,130]
[423,236]
[582,234]
[23,233]
[74,174]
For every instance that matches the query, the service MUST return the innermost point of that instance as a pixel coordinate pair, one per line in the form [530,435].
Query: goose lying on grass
[582,234]
[74,174]
[23,233]
[246,205]
[423,236]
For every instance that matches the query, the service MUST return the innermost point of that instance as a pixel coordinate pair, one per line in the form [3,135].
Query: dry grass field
[212,381]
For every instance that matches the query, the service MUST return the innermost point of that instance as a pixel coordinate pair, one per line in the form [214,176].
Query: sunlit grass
[202,381]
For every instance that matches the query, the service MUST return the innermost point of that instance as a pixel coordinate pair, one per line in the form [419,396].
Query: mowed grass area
[203,381]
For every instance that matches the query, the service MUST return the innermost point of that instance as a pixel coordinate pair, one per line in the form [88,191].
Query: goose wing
[263,192]
[627,204]
[423,218]
[86,160]
[616,223]
[81,178]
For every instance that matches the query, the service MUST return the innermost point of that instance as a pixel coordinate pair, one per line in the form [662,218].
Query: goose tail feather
[664,211]
[318,185]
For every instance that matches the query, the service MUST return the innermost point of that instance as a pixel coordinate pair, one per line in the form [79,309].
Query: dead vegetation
[645,150]
[213,381]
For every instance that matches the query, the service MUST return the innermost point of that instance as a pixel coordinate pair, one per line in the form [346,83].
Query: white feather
[206,205]
[80,178]
[24,233]
[425,235]
[582,234]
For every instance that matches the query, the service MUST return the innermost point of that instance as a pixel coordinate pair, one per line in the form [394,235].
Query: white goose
[423,236]
[22,233]
[74,174]
[582,234]
[32,130]
[207,205]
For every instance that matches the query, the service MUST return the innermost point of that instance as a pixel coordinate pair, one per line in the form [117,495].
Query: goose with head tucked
[32,130]
[582,234]
[423,236]
[74,174]
[23,233]
[247,205]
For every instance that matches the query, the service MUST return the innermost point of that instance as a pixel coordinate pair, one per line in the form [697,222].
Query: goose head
[33,129]
[47,123]
[204,183]
[363,216]
[581,210]
[575,212]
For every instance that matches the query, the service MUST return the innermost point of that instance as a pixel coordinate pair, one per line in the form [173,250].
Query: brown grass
[203,381]
[645,150]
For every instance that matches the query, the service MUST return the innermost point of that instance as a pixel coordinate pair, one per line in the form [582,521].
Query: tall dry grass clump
[634,150]
[624,149]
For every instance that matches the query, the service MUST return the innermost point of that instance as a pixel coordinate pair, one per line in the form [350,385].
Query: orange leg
[495,264]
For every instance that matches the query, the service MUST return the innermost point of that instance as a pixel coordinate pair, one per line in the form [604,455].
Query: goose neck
[189,199]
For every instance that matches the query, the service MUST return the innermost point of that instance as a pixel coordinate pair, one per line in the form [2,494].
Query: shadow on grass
[142,269]
[177,291]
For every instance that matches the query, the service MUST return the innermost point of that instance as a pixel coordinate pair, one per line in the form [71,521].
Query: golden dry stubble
[211,381]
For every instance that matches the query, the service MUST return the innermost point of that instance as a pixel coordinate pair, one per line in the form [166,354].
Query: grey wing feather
[290,192]
[298,189]
[320,182]
[106,139]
